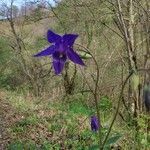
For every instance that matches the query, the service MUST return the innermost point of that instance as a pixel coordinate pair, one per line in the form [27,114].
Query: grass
[40,123]
[50,126]
[46,125]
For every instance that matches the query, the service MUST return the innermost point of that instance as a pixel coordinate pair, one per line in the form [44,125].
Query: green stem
[95,92]
[118,106]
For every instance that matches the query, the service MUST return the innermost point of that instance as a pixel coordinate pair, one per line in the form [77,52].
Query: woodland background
[39,110]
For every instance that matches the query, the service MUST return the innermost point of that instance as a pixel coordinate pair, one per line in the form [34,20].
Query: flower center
[61,55]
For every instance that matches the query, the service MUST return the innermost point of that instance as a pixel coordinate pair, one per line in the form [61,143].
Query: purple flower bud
[146,93]
[94,123]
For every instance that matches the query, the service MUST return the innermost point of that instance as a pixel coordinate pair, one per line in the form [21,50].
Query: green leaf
[94,147]
[147,87]
[16,146]
[112,140]
[85,55]
[135,80]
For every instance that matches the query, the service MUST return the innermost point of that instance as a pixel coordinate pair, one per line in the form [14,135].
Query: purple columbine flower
[60,50]
[94,123]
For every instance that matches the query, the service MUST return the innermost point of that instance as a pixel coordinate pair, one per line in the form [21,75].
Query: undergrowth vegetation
[42,111]
[36,124]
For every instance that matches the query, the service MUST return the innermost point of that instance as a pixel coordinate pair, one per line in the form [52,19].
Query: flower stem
[118,106]
[95,92]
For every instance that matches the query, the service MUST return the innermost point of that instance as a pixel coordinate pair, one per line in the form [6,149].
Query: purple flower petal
[73,56]
[94,123]
[46,52]
[59,60]
[61,47]
[58,66]
[53,37]
[69,39]
[146,95]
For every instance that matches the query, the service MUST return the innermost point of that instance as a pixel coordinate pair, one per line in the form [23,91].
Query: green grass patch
[22,125]
[19,145]
[5,51]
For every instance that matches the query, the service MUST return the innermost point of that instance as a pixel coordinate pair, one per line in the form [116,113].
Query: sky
[19,2]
